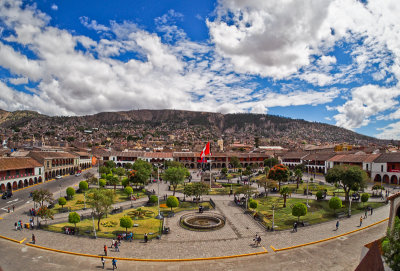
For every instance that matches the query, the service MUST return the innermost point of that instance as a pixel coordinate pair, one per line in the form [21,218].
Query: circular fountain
[202,222]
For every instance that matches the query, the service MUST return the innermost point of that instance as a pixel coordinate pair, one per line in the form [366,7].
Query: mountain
[201,125]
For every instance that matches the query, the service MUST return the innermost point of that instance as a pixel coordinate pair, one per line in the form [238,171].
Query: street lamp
[273,217]
[159,216]
[308,172]
[349,215]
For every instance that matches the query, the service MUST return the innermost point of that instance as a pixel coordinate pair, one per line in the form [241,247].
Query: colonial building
[292,159]
[317,162]
[19,172]
[85,160]
[56,163]
[386,168]
[360,159]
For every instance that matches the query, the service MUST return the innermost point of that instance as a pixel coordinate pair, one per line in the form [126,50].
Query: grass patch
[78,203]
[318,212]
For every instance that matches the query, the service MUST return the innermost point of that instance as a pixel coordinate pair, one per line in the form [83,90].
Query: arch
[45,176]
[118,165]
[393,179]
[9,186]
[378,178]
[63,171]
[218,165]
[57,173]
[20,184]
[213,165]
[386,178]
[192,165]
[198,165]
[26,183]
[40,179]
[223,165]
[245,165]
[187,165]
[2,187]
[15,185]
[35,180]
[54,174]
[30,181]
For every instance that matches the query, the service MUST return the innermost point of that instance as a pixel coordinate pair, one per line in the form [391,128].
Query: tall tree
[235,162]
[175,176]
[119,171]
[101,202]
[113,180]
[246,190]
[267,184]
[279,173]
[284,192]
[271,162]
[298,173]
[142,170]
[349,177]
[41,196]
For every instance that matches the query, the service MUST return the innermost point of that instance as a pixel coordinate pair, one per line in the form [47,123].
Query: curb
[148,260]
[12,240]
[329,238]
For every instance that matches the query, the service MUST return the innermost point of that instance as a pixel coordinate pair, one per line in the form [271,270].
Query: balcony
[16,176]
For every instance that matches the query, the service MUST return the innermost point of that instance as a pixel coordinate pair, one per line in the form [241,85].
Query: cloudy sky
[336,61]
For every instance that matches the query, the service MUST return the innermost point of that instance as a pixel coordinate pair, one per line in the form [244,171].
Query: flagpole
[210,165]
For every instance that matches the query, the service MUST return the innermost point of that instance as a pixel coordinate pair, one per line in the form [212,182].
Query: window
[8,173]
[40,171]
[381,168]
[17,172]
[367,166]
[393,166]
[48,163]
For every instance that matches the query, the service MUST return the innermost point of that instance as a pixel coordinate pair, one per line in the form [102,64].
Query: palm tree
[298,174]
[284,192]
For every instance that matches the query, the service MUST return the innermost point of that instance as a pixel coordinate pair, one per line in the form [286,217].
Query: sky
[336,62]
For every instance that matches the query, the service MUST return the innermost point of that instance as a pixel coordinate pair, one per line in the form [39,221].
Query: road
[21,197]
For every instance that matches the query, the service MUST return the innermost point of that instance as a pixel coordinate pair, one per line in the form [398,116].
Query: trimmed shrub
[70,192]
[253,204]
[102,182]
[319,195]
[83,186]
[172,202]
[335,203]
[74,218]
[153,199]
[126,222]
[299,209]
[128,190]
[62,201]
[364,197]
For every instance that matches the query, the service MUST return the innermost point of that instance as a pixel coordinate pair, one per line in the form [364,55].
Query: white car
[58,177]
[78,174]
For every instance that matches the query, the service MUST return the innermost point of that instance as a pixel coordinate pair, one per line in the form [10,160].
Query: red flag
[206,151]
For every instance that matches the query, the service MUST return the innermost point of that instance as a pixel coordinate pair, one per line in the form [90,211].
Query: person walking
[371,210]
[365,213]
[337,225]
[361,219]
[105,250]
[116,247]
[259,240]
[102,261]
[8,209]
[255,239]
[295,227]
[13,208]
[114,263]
[33,239]
[145,238]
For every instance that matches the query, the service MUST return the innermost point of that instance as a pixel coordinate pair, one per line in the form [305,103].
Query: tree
[299,209]
[350,177]
[235,162]
[126,222]
[104,170]
[172,202]
[119,172]
[391,246]
[224,171]
[153,199]
[74,217]
[100,201]
[45,213]
[88,176]
[229,177]
[141,172]
[364,197]
[102,182]
[253,204]
[196,189]
[246,190]
[298,173]
[284,192]
[265,183]
[128,190]
[175,176]
[83,186]
[112,180]
[70,192]
[271,162]
[266,171]
[279,173]
[110,164]
[41,196]
[62,201]
[335,203]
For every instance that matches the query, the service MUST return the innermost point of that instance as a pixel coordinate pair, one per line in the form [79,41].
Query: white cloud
[365,102]
[92,24]
[391,131]
[18,81]
[54,7]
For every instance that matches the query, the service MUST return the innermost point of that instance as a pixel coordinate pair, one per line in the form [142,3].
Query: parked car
[7,195]
[78,174]
[58,177]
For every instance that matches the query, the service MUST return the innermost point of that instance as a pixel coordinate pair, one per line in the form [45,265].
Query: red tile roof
[11,163]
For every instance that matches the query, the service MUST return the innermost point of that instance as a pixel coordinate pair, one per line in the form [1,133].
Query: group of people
[18,225]
[32,212]
[201,209]
[125,236]
[13,208]
[113,262]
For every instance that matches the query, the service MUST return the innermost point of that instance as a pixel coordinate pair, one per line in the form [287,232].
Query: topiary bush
[299,209]
[102,182]
[83,186]
[153,199]
[70,192]
[320,195]
[335,203]
[364,197]
[253,204]
[62,201]
[172,202]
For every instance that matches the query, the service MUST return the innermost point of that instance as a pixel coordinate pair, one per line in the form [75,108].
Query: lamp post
[349,215]
[308,172]
[94,228]
[159,216]
[273,217]
[84,200]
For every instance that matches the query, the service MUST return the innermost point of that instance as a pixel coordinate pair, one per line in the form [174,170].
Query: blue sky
[336,62]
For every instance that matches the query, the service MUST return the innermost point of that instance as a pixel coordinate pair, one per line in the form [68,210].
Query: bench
[341,215]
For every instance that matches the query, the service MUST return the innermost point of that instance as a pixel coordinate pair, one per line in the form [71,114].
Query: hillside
[200,124]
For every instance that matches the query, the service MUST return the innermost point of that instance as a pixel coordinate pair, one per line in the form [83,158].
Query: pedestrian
[105,250]
[371,211]
[255,239]
[337,225]
[16,225]
[145,238]
[102,261]
[32,224]
[112,243]
[114,263]
[8,209]
[361,219]
[13,208]
[365,213]
[116,247]
[33,239]
[259,240]
[295,227]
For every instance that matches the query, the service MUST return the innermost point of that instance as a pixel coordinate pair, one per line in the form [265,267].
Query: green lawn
[109,227]
[318,212]
[77,203]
